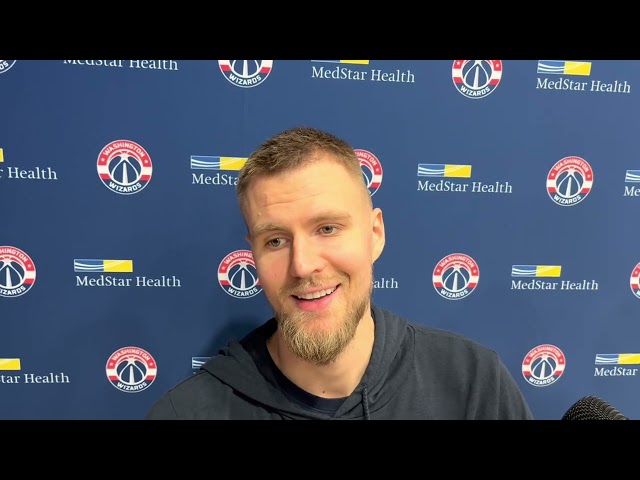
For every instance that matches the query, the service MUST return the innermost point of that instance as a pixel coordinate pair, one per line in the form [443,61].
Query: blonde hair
[294,148]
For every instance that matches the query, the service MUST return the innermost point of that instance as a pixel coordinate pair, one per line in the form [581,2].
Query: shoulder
[454,348]
[436,336]
[198,396]
[454,362]
[437,342]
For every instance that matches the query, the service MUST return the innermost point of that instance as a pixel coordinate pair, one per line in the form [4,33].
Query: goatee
[316,345]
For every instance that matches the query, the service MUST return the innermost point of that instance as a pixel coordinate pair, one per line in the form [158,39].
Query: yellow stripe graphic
[358,62]
[1,155]
[548,270]
[118,266]
[577,68]
[232,163]
[458,171]
[9,364]
[629,358]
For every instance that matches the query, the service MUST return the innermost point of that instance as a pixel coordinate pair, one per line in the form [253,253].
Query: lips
[317,294]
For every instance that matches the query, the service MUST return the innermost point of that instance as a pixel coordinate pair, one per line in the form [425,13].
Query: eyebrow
[263,228]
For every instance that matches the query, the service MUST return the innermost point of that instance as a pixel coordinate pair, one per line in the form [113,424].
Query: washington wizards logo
[635,280]
[5,65]
[131,369]
[238,276]
[246,73]
[456,276]
[124,167]
[371,169]
[476,78]
[569,181]
[543,365]
[17,272]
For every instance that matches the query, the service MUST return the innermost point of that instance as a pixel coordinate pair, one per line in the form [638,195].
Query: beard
[321,346]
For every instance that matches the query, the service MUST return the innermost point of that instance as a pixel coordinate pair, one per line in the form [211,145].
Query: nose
[306,258]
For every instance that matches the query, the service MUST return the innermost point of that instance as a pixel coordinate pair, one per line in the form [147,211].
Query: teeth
[319,294]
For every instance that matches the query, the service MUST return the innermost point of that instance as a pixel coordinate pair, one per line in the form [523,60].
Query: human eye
[275,242]
[328,229]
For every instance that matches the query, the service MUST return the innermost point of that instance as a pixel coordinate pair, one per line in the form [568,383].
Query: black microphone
[592,408]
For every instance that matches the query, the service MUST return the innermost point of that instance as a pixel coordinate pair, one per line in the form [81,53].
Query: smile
[316,295]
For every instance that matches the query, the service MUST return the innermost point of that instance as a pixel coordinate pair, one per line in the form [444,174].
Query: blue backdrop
[509,191]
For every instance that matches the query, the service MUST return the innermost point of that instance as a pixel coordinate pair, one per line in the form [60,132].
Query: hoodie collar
[246,367]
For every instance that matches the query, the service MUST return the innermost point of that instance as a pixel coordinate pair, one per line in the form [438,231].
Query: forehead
[322,184]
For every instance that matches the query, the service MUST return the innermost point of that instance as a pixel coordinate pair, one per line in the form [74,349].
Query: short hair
[294,148]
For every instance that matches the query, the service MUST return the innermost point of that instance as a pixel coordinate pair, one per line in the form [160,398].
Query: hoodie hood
[246,366]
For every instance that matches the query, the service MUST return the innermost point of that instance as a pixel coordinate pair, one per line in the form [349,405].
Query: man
[328,353]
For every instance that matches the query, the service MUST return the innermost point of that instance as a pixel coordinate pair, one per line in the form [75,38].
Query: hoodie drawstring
[365,403]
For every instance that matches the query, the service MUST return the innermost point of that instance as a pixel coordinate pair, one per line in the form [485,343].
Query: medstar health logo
[371,169]
[476,78]
[131,369]
[124,167]
[569,181]
[456,276]
[543,365]
[238,276]
[246,73]
[17,272]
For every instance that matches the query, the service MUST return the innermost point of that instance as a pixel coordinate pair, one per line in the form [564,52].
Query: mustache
[307,284]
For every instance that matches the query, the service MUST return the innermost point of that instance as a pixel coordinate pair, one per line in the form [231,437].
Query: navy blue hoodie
[415,372]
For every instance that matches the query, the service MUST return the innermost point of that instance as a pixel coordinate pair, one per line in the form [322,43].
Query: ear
[377,234]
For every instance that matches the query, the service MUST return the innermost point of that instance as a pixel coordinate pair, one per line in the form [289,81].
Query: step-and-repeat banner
[510,191]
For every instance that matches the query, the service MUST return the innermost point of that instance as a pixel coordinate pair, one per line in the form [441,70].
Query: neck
[336,380]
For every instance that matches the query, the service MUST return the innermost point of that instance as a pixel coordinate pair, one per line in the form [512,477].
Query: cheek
[356,261]
[271,273]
